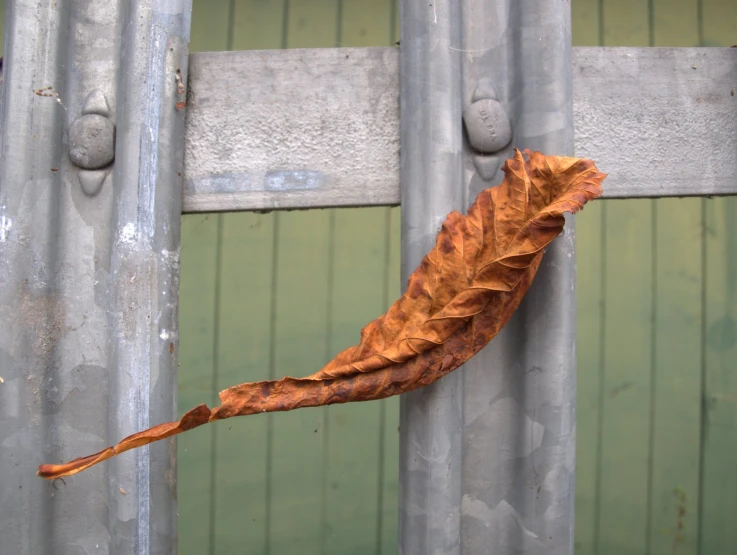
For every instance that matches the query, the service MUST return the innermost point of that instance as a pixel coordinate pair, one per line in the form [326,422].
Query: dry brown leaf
[461,295]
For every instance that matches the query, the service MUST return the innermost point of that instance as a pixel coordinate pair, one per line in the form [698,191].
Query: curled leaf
[459,297]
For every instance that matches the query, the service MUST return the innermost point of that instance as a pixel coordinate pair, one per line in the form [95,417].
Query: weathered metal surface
[89,283]
[487,454]
[345,150]
[431,128]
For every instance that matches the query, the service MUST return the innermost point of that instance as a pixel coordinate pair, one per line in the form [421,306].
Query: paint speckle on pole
[5,225]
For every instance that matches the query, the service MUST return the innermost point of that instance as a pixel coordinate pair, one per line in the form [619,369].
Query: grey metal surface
[431,419]
[89,283]
[641,113]
[487,454]
[296,128]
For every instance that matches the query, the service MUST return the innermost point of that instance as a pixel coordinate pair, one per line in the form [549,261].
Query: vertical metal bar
[30,305]
[90,282]
[144,268]
[431,174]
[512,482]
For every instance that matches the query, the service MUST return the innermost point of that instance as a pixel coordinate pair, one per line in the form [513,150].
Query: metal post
[431,177]
[90,247]
[487,454]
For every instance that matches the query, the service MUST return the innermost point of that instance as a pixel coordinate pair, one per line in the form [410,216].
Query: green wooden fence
[268,295]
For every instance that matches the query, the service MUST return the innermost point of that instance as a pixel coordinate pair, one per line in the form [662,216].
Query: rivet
[487,126]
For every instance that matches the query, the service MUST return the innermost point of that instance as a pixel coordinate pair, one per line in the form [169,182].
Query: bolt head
[92,141]
[487,126]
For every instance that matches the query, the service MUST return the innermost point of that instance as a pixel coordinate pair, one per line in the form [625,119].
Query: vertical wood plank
[197,332]
[297,439]
[719,21]
[389,518]
[353,432]
[245,332]
[312,23]
[589,258]
[258,24]
[366,23]
[719,481]
[625,22]
[626,388]
[586,25]
[675,22]
[244,325]
[718,533]
[676,410]
[210,25]
[586,22]
[197,286]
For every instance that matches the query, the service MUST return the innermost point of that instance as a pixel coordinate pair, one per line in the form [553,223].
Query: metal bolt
[92,141]
[487,126]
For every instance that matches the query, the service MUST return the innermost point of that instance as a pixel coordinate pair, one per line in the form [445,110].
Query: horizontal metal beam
[318,128]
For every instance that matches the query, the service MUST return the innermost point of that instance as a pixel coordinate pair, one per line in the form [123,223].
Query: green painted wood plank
[243,355]
[297,438]
[625,22]
[623,466]
[719,21]
[366,23]
[586,31]
[718,534]
[197,330]
[353,464]
[353,439]
[312,23]
[622,524]
[676,410]
[589,298]
[258,24]
[245,333]
[676,400]
[195,385]
[585,22]
[210,26]
[389,517]
[675,22]
[719,481]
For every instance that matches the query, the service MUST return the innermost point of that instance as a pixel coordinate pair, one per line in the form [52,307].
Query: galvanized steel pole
[90,249]
[431,176]
[487,454]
